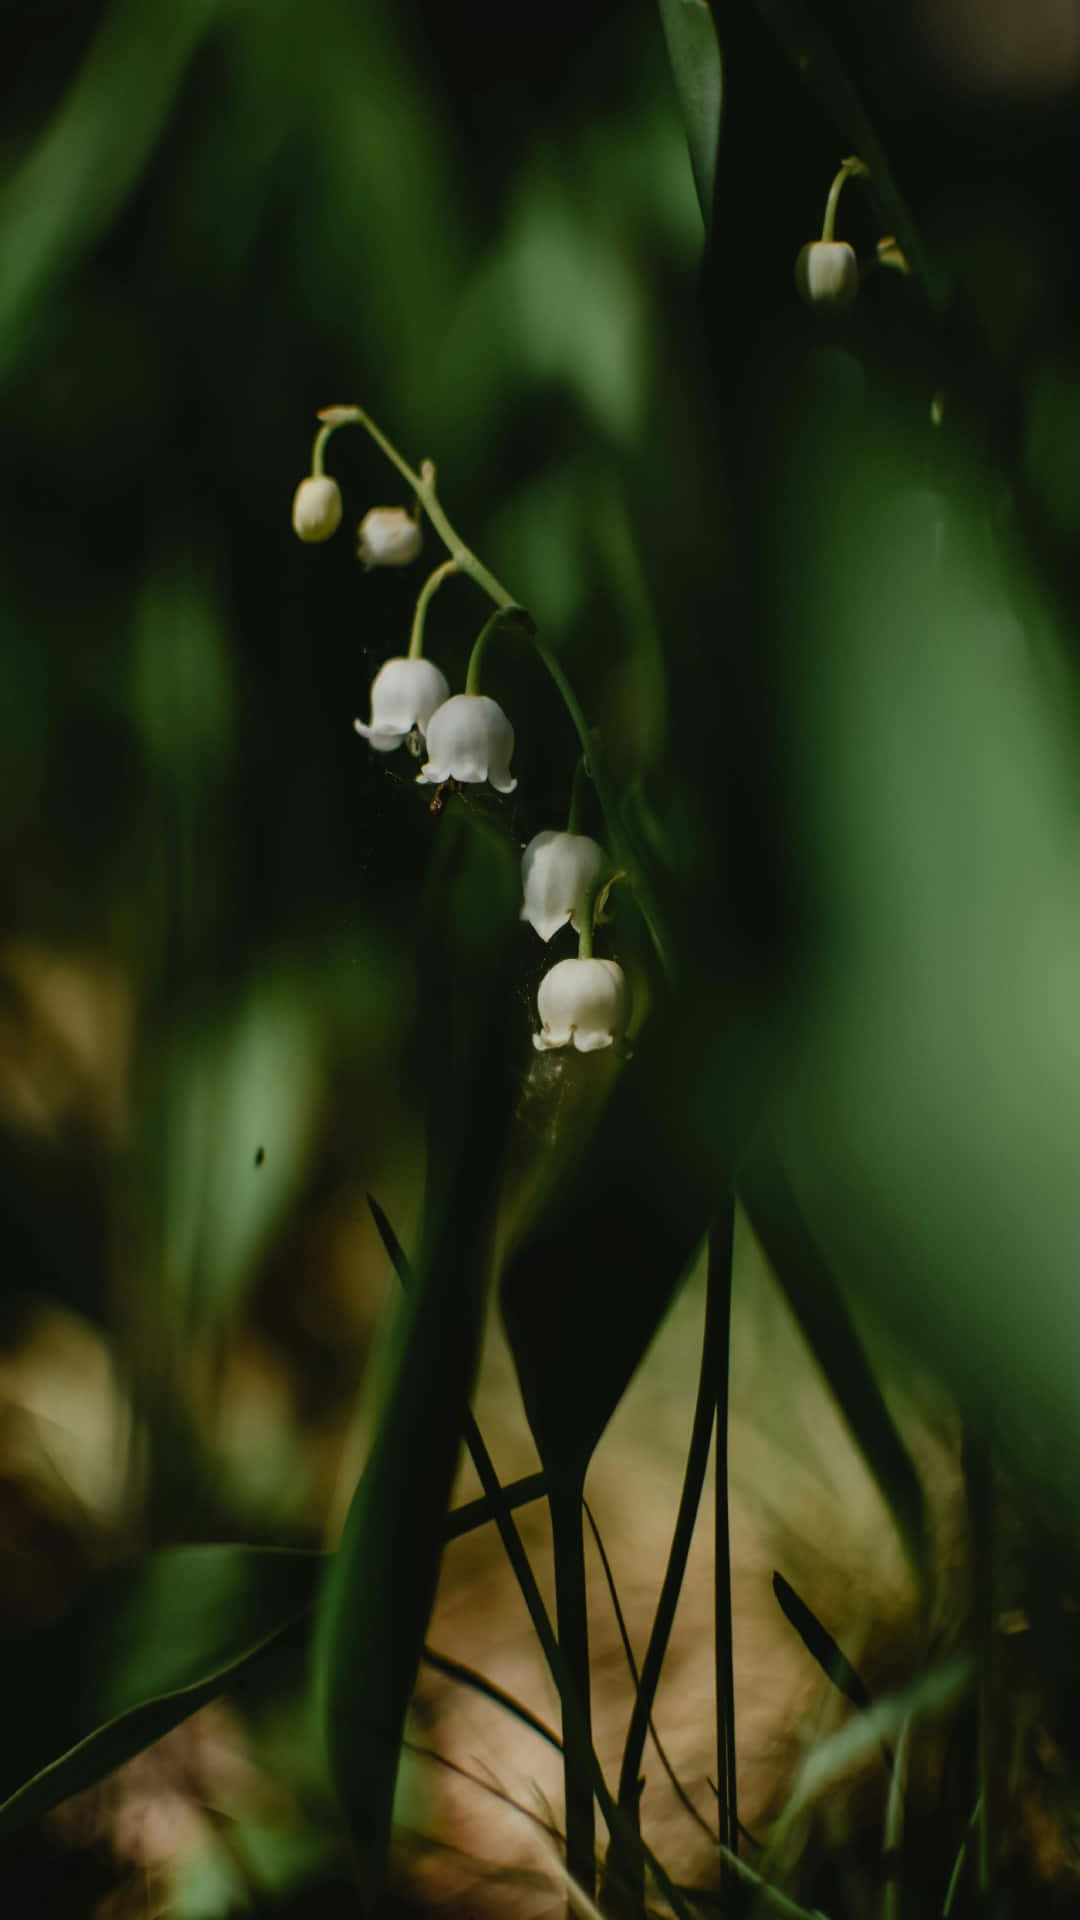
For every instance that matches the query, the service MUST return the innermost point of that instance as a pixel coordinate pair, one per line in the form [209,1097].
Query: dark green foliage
[378,1594]
[143,1646]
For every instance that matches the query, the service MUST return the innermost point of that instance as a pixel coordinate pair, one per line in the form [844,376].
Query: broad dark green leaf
[694,52]
[822,1313]
[143,1647]
[588,1284]
[378,1593]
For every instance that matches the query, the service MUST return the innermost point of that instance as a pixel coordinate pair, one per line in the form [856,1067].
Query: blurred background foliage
[828,627]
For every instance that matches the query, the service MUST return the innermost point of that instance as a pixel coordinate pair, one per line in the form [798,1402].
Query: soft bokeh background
[830,646]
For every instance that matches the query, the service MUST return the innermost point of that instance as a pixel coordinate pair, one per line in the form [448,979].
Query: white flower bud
[827,274]
[316,507]
[557,872]
[404,695]
[389,537]
[470,739]
[583,1004]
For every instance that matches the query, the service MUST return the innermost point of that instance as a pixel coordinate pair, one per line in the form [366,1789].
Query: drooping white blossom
[558,870]
[316,508]
[389,537]
[404,695]
[469,738]
[827,274]
[583,1004]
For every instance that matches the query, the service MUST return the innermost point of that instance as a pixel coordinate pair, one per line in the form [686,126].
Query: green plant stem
[960,1861]
[718,1348]
[571,1609]
[576,1729]
[423,485]
[624,1636]
[577,796]
[850,169]
[978,1478]
[894,1824]
[502,616]
[427,592]
[318,451]
[711,1402]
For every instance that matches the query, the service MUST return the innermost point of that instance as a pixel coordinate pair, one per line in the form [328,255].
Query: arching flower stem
[428,590]
[423,485]
[592,912]
[850,169]
[577,796]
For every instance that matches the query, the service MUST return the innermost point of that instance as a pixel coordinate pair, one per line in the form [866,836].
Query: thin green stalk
[710,1389]
[577,796]
[423,485]
[479,1683]
[894,1824]
[620,1621]
[502,616]
[572,1615]
[576,1730]
[961,1860]
[978,1477]
[719,1283]
[428,590]
[850,169]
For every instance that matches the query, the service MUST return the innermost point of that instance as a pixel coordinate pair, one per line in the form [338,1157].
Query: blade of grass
[478,1682]
[713,1364]
[620,1621]
[819,1642]
[721,1249]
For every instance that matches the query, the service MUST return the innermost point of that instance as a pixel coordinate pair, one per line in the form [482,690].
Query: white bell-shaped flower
[469,739]
[316,507]
[827,274]
[583,1004]
[558,870]
[404,695]
[389,537]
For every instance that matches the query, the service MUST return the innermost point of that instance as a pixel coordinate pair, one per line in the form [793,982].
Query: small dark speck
[260,1156]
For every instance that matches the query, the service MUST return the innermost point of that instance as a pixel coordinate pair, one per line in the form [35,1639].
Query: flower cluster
[465,739]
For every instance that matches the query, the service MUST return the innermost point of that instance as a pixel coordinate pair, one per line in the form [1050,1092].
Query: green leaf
[379,1591]
[586,1287]
[77,177]
[822,1313]
[694,52]
[143,1646]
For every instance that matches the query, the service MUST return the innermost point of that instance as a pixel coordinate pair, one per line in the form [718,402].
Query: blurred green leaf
[694,52]
[92,152]
[378,1594]
[143,1646]
[230,1129]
